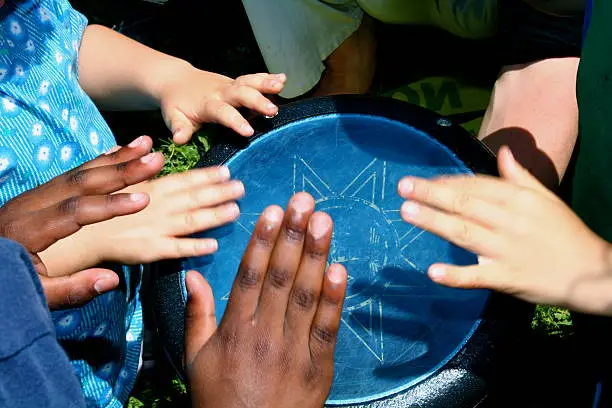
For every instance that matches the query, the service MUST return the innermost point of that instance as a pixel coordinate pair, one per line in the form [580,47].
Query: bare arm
[533,110]
[119,73]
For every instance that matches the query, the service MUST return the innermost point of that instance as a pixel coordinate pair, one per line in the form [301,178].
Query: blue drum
[404,340]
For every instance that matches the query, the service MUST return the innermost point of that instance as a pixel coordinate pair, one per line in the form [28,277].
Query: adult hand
[531,244]
[40,217]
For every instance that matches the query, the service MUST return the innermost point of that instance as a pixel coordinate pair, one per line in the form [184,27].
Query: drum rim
[475,155]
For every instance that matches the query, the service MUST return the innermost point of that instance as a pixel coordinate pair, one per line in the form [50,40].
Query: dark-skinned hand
[40,217]
[275,344]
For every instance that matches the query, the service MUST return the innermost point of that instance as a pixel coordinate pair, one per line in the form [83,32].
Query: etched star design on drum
[380,230]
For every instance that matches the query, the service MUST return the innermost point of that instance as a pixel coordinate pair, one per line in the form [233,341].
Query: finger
[201,220]
[264,83]
[190,180]
[176,248]
[112,178]
[45,227]
[91,181]
[512,171]
[454,228]
[224,114]
[483,187]
[306,289]
[181,127]
[209,196]
[200,320]
[456,199]
[285,261]
[79,288]
[138,148]
[486,276]
[248,97]
[324,330]
[246,289]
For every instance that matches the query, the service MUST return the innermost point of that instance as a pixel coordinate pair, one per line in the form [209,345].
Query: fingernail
[233,210]
[336,274]
[136,197]
[272,215]
[301,203]
[177,132]
[271,107]
[224,172]
[437,272]
[273,83]
[136,142]
[319,226]
[112,150]
[281,77]
[104,285]
[406,187]
[410,209]
[238,188]
[148,158]
[247,129]
[209,245]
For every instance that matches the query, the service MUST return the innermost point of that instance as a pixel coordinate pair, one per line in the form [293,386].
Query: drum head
[399,331]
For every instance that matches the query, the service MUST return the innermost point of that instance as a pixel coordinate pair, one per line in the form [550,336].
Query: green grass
[548,320]
[147,395]
[182,158]
[552,321]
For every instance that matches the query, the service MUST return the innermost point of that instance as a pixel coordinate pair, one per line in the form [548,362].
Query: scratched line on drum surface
[366,188]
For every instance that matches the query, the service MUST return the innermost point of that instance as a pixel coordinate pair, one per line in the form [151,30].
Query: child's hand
[196,97]
[180,205]
[275,344]
[531,244]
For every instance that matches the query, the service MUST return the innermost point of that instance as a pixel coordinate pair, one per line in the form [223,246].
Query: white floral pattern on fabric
[48,125]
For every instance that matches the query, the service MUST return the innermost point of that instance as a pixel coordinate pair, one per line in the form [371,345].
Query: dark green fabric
[591,195]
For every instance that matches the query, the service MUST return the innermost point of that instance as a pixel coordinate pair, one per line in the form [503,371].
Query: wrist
[72,254]
[165,75]
[607,259]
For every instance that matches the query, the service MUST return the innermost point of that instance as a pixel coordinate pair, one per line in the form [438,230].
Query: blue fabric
[587,18]
[48,125]
[34,370]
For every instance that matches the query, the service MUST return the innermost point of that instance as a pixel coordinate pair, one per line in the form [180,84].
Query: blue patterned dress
[48,125]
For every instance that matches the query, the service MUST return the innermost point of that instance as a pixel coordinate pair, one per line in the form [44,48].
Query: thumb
[78,289]
[181,127]
[511,170]
[200,321]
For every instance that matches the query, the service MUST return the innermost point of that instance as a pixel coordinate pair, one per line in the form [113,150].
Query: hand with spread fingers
[531,245]
[198,97]
[40,217]
[275,344]
[180,205]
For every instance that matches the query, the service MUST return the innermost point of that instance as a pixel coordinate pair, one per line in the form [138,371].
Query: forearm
[121,74]
[533,110]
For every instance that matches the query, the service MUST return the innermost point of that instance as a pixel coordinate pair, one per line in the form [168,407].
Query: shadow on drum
[428,320]
[380,138]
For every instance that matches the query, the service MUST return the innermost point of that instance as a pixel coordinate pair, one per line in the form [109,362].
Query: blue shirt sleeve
[34,370]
